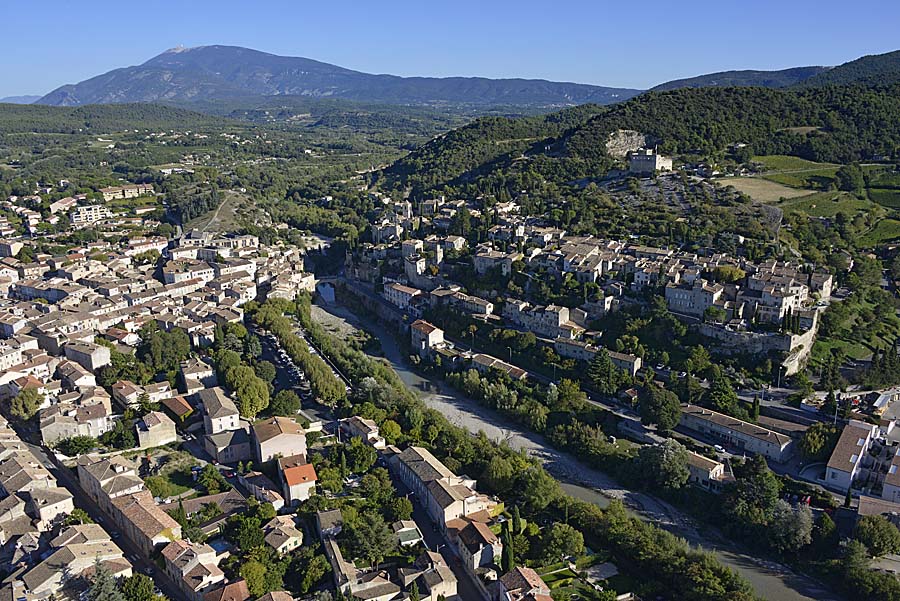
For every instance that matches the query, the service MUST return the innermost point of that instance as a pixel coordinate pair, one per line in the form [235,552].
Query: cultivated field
[762,190]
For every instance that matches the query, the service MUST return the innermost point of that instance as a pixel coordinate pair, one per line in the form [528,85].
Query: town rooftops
[850,447]
[276,426]
[300,474]
[477,535]
[700,462]
[147,517]
[420,325]
[233,591]
[217,403]
[425,465]
[742,427]
[403,289]
[523,580]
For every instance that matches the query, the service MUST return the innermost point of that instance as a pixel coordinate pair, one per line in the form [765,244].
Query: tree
[499,474]
[255,574]
[399,508]
[25,404]
[825,533]
[138,587]
[663,464]
[414,592]
[700,359]
[819,441]
[285,402]
[391,431]
[212,480]
[248,534]
[78,516]
[850,178]
[728,274]
[250,391]
[659,406]
[603,375]
[76,445]
[790,528]
[878,535]
[517,525]
[370,538]
[537,488]
[724,399]
[265,370]
[751,499]
[561,541]
[360,456]
[571,397]
[103,585]
[508,555]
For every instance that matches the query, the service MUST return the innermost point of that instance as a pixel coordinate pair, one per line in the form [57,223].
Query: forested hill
[875,69]
[834,124]
[765,79]
[20,118]
[485,142]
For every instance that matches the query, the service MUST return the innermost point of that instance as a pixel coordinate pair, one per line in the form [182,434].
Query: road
[771,580]
[467,590]
[141,564]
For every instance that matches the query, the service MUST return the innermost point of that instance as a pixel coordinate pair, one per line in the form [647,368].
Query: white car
[719,448]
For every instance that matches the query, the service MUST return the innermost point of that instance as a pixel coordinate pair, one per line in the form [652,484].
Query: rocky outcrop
[623,141]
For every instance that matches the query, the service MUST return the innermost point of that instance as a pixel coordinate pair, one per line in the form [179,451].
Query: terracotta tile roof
[300,474]
[233,591]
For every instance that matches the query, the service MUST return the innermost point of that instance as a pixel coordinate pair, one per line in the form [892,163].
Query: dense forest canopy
[830,124]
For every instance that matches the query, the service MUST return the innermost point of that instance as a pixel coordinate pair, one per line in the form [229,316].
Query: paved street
[142,564]
[467,589]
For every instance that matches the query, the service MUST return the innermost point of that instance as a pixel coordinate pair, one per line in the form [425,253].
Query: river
[770,580]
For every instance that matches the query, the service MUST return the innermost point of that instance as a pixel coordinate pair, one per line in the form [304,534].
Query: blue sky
[52,42]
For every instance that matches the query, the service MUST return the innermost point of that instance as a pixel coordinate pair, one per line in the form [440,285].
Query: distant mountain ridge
[222,72]
[765,79]
[874,69]
[26,99]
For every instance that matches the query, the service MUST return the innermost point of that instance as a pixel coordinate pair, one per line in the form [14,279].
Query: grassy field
[817,179]
[781,162]
[885,197]
[827,204]
[796,172]
[762,190]
[885,230]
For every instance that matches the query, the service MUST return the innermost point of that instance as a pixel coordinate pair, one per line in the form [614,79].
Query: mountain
[19,99]
[221,72]
[764,79]
[874,69]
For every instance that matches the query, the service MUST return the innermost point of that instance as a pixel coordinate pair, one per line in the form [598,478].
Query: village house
[360,427]
[298,479]
[220,413]
[193,567]
[738,433]
[707,473]
[849,454]
[478,546]
[278,436]
[425,337]
[155,430]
